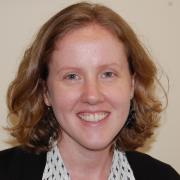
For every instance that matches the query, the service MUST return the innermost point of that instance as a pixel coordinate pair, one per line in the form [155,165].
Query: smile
[93,117]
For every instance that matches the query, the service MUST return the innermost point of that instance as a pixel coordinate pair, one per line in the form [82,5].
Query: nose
[92,93]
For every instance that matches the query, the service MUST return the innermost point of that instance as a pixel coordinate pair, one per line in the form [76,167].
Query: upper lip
[93,112]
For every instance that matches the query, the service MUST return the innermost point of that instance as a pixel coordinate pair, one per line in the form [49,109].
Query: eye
[71,76]
[108,74]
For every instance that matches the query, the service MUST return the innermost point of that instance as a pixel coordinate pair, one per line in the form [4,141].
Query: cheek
[119,95]
[119,98]
[120,103]
[63,99]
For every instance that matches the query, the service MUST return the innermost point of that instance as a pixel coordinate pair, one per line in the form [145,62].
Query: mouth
[93,117]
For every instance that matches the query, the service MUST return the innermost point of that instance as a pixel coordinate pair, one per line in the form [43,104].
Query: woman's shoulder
[8,156]
[7,153]
[146,167]
[16,162]
[18,154]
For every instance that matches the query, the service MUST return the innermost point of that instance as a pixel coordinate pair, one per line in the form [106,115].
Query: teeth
[93,117]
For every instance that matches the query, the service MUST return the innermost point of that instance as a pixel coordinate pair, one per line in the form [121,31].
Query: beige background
[157,23]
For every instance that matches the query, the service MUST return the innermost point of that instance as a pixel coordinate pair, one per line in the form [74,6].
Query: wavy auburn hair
[33,125]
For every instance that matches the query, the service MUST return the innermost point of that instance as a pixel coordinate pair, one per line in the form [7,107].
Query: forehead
[87,33]
[88,43]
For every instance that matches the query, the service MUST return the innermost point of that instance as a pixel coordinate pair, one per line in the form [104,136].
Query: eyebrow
[101,66]
[111,64]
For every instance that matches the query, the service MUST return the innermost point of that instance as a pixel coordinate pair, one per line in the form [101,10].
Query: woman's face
[89,87]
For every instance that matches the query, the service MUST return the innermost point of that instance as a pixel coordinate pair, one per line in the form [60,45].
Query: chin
[100,146]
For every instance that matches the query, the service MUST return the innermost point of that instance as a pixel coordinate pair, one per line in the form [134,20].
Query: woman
[82,101]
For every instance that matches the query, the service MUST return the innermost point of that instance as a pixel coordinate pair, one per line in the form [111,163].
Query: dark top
[16,164]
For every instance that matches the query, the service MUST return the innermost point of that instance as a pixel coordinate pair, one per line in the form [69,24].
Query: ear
[46,96]
[132,86]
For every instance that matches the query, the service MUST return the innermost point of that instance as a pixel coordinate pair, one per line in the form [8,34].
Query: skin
[88,73]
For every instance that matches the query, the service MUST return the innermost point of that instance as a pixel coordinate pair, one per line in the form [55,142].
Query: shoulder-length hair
[33,125]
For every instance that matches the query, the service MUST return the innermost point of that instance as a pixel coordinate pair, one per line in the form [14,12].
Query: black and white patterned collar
[56,170]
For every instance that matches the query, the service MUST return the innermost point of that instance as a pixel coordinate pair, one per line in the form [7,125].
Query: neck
[83,163]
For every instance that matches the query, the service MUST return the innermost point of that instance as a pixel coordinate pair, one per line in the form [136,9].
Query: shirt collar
[55,168]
